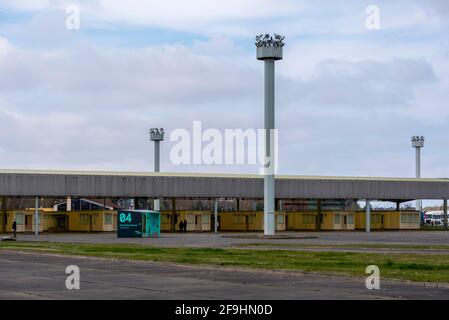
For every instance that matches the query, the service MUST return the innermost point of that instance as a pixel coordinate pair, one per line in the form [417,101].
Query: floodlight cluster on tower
[418,141]
[269,41]
[157,134]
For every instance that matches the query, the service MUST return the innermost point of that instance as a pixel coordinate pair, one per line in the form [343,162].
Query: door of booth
[152,224]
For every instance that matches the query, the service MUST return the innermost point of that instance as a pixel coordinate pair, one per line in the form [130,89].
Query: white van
[433,218]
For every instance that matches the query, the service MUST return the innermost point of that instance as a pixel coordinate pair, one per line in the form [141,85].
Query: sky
[348,98]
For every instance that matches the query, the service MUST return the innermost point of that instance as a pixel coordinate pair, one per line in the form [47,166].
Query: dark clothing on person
[14,228]
[181,226]
[185,225]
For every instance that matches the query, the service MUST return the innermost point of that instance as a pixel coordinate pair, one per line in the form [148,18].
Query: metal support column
[36,216]
[3,215]
[269,49]
[173,214]
[157,135]
[368,216]
[445,213]
[418,143]
[216,216]
[269,183]
[319,215]
[156,155]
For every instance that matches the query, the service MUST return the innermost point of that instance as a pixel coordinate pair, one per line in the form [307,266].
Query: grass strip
[348,245]
[414,267]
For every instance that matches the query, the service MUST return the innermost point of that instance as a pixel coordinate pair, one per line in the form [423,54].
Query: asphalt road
[208,239]
[41,276]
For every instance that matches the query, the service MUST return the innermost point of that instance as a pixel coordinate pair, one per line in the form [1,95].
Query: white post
[418,175]
[157,203]
[157,135]
[269,49]
[368,216]
[269,183]
[418,143]
[68,206]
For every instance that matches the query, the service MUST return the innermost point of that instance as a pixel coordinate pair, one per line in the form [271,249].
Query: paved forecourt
[42,276]
[221,240]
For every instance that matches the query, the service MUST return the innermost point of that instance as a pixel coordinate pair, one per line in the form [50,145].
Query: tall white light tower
[418,143]
[157,135]
[269,49]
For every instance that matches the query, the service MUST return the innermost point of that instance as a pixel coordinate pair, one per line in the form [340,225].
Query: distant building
[82,204]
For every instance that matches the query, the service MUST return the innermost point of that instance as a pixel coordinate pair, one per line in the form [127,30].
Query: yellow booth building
[92,221]
[197,221]
[329,221]
[24,220]
[50,221]
[3,221]
[247,221]
[389,220]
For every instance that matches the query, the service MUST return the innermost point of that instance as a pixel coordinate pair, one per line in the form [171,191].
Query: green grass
[415,267]
[349,245]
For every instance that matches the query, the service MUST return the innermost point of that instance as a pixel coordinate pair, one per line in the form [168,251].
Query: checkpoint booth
[138,224]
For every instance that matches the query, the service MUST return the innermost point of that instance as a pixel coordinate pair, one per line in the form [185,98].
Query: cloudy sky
[348,98]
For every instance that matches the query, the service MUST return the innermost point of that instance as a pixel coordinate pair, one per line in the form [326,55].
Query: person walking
[14,227]
[185,225]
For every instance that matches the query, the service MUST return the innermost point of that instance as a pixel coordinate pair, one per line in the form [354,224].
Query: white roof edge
[207,175]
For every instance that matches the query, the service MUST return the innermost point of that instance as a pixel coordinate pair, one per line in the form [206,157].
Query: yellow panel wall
[46,220]
[22,216]
[387,220]
[248,221]
[306,220]
[49,222]
[229,222]
[205,221]
[241,221]
[3,215]
[200,221]
[412,222]
[376,219]
[196,220]
[11,215]
[89,221]
[301,220]
[392,220]
[340,220]
[280,221]
[296,221]
[110,226]
[165,221]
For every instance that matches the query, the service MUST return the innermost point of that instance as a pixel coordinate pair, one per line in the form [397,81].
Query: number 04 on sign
[138,224]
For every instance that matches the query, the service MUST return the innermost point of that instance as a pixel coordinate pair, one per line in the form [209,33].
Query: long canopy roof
[54,183]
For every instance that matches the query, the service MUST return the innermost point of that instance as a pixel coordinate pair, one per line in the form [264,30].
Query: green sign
[129,224]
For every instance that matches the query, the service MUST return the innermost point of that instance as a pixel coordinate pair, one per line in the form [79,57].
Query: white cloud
[24,5]
[179,13]
[347,100]
[76,108]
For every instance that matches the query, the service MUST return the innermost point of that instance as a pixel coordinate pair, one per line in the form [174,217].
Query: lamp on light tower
[157,135]
[418,143]
[269,49]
